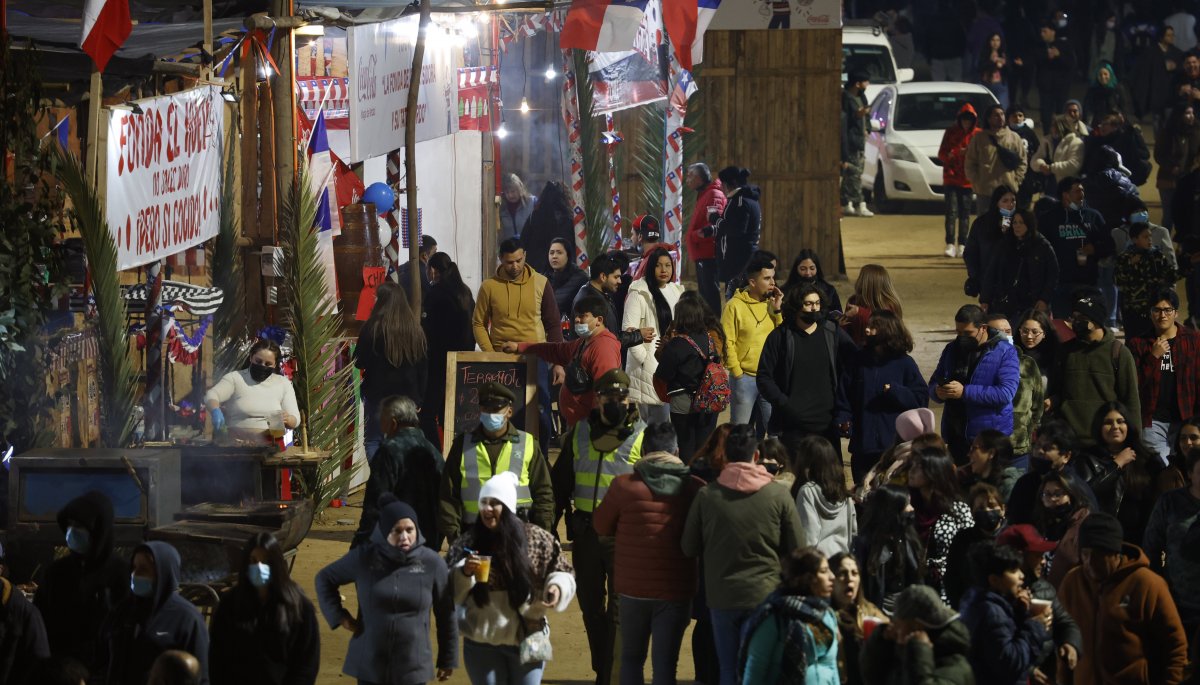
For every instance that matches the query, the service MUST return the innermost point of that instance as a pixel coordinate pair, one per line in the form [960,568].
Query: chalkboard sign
[467,372]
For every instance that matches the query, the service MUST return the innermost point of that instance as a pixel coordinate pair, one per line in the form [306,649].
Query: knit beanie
[502,487]
[1092,305]
[1102,532]
[391,510]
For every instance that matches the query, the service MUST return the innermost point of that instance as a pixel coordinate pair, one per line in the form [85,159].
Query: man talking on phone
[976,377]
[749,316]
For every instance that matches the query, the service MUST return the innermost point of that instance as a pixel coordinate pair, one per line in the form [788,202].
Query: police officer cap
[495,393]
[614,380]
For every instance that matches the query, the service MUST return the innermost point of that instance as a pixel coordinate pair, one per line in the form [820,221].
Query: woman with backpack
[690,372]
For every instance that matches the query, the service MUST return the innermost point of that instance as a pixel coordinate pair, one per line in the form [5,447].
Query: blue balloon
[380,195]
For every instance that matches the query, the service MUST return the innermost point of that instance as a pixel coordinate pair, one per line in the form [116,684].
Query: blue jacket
[1004,647]
[873,412]
[988,396]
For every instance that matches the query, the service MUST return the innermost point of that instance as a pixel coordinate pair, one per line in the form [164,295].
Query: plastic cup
[1037,607]
[275,424]
[484,570]
[870,623]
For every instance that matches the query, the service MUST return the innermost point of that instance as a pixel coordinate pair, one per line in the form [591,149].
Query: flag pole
[410,159]
[95,95]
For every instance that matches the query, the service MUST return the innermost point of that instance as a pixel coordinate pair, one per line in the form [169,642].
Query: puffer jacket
[1131,628]
[1005,645]
[1065,158]
[646,511]
[988,393]
[738,232]
[983,166]
[640,313]
[700,246]
[953,151]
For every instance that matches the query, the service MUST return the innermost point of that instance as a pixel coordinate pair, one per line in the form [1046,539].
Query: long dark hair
[793,279]
[692,317]
[884,526]
[393,326]
[661,308]
[552,208]
[285,599]
[892,338]
[815,461]
[939,470]
[1137,475]
[509,550]
[268,345]
[1049,334]
[450,279]
[800,570]
[1051,528]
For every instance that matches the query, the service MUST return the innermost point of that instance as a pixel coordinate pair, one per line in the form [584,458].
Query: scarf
[801,620]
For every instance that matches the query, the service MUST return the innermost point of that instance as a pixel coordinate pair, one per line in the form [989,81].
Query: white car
[868,48]
[906,124]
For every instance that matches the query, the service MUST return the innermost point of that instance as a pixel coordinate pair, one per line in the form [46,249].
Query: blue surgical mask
[492,422]
[1005,212]
[79,540]
[259,574]
[141,586]
[1139,218]
[1005,337]
[583,330]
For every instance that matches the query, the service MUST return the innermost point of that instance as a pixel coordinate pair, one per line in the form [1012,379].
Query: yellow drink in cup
[484,570]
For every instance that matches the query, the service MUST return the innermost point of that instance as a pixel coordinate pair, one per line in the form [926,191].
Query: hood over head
[93,511]
[744,477]
[968,110]
[166,569]
[662,472]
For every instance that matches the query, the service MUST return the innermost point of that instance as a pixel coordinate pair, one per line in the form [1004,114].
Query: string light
[551,74]
[524,106]
[502,131]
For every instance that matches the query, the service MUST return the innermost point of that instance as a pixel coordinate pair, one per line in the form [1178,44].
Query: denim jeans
[958,211]
[1160,438]
[499,665]
[656,623]
[545,412]
[706,282]
[727,635]
[745,395]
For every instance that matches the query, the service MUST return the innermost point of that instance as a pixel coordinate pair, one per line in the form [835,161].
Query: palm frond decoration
[597,198]
[229,322]
[118,380]
[648,161]
[324,388]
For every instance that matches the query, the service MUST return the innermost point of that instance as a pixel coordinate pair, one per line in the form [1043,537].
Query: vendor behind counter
[245,401]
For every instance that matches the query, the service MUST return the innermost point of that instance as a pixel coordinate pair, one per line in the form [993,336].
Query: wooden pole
[282,94]
[95,95]
[410,158]
[206,70]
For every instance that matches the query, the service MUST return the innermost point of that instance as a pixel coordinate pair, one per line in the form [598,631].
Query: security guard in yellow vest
[596,451]
[493,447]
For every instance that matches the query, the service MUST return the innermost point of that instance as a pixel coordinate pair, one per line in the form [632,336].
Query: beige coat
[983,166]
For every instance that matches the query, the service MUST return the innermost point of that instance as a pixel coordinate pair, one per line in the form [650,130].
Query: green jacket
[945,663]
[1087,381]
[450,513]
[1028,405]
[742,525]
[408,466]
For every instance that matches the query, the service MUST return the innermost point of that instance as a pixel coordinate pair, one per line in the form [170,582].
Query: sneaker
[863,211]
[849,210]
[962,250]
[949,250]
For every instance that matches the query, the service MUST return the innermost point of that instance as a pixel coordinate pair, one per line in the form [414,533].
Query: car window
[881,109]
[876,60]
[934,111]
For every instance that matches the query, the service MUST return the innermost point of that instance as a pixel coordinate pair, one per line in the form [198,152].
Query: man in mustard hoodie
[517,304]
[749,316]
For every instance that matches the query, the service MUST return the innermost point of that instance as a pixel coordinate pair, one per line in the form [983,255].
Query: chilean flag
[602,25]
[328,222]
[106,25]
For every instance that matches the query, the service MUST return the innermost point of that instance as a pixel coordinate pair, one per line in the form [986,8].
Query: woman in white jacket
[650,304]
[1061,153]
[502,601]
[826,511]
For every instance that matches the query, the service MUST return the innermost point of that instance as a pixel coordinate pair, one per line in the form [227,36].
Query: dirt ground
[930,286]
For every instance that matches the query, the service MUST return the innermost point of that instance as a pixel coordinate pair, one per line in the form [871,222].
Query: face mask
[583,330]
[1005,212]
[1139,218]
[908,518]
[967,343]
[259,574]
[260,373]
[142,587]
[79,540]
[807,279]
[1074,206]
[1004,337]
[1061,23]
[612,413]
[988,519]
[492,422]
[810,317]
[1061,511]
[871,340]
[1040,465]
[1080,329]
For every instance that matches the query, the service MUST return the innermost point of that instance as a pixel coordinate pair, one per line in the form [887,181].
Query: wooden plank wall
[772,104]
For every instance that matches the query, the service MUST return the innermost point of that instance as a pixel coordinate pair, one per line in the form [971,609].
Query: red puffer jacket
[646,511]
[698,246]
[953,151]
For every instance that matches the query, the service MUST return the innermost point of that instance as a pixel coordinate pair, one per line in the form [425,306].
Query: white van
[868,48]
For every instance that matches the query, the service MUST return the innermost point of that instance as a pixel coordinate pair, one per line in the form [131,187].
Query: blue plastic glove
[218,418]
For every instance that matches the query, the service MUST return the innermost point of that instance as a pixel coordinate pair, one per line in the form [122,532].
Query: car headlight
[901,153]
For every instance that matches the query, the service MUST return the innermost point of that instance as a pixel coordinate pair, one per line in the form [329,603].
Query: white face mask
[1074,206]
[583,330]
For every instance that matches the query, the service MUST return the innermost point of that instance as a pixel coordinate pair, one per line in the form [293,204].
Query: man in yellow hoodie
[752,313]
[515,305]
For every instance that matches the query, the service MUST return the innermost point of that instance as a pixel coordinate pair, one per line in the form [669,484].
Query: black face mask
[967,343]
[1039,465]
[988,519]
[908,518]
[1080,329]
[613,413]
[1061,511]
[809,318]
[807,279]
[260,373]
[871,340]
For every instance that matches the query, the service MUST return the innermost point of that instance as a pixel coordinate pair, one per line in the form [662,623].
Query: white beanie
[502,487]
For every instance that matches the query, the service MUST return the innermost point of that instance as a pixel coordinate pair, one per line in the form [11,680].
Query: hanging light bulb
[524,106]
[551,74]
[502,131]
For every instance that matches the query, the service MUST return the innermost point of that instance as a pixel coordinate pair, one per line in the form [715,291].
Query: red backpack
[712,396]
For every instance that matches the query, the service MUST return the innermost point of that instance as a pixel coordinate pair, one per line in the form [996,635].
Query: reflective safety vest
[595,470]
[478,470]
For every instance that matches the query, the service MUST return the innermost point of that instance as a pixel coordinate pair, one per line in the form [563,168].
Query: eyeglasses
[1163,311]
[811,305]
[1031,333]
[1054,495]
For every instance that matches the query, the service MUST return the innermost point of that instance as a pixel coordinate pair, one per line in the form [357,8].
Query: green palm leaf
[648,162]
[229,322]
[597,194]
